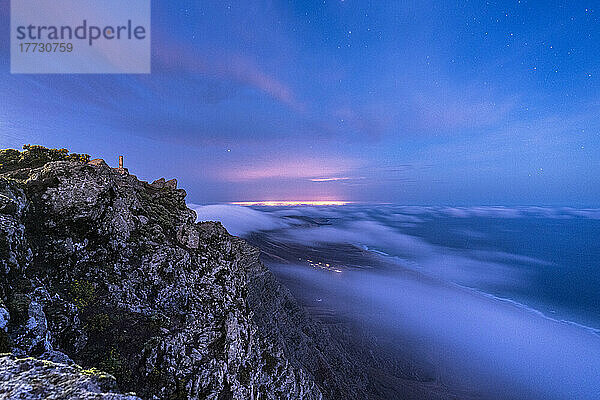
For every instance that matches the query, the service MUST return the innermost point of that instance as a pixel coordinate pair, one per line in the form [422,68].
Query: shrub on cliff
[34,156]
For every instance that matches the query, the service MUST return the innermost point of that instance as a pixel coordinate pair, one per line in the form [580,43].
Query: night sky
[413,102]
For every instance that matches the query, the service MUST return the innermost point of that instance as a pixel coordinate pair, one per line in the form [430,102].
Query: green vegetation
[34,156]
[95,372]
[83,293]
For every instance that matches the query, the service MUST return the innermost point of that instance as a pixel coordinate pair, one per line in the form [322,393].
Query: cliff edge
[101,270]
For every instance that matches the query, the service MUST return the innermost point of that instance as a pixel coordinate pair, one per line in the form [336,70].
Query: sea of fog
[504,302]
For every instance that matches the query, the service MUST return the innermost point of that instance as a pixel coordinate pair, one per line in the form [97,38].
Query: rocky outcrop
[102,270]
[31,379]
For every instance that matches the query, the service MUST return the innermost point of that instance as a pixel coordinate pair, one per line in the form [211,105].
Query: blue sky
[418,102]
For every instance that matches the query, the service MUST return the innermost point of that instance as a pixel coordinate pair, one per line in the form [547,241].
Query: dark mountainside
[103,271]
[109,289]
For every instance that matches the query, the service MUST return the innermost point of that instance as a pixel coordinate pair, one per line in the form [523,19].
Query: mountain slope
[111,272]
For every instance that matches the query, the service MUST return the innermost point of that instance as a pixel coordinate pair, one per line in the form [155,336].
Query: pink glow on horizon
[313,169]
[275,203]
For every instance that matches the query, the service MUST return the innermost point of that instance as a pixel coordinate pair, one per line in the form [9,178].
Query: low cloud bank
[238,220]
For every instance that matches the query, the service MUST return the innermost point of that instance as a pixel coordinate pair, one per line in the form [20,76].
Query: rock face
[29,379]
[102,270]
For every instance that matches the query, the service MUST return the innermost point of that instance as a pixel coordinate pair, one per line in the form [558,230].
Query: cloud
[465,268]
[232,67]
[330,179]
[245,71]
[501,212]
[298,168]
[237,219]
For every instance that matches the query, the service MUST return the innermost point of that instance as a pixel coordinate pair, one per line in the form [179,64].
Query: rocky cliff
[101,270]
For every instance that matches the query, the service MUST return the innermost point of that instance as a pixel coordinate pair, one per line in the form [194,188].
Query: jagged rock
[98,162]
[114,273]
[171,183]
[161,183]
[32,379]
[4,318]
